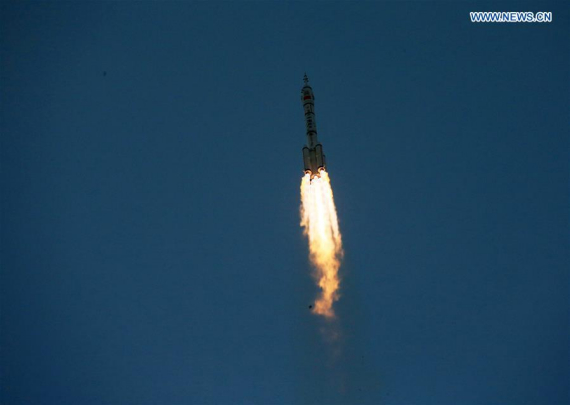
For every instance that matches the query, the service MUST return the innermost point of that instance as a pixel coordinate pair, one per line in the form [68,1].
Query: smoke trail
[320,223]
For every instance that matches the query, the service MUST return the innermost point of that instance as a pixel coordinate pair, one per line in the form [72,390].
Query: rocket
[313,158]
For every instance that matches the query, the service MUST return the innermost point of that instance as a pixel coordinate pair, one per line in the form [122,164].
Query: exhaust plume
[320,225]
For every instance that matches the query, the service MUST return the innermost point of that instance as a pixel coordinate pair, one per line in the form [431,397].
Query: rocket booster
[313,158]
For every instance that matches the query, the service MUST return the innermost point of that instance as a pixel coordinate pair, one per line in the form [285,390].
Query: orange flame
[320,223]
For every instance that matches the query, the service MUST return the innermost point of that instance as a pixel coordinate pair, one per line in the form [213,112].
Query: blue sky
[151,164]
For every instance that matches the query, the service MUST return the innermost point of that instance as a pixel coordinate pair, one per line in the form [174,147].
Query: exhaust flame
[320,223]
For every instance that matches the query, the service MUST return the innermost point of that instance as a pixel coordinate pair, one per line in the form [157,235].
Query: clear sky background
[151,250]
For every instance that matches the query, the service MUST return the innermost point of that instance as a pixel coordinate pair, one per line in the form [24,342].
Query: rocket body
[313,157]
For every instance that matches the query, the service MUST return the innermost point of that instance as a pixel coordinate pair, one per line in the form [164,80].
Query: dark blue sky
[151,251]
